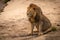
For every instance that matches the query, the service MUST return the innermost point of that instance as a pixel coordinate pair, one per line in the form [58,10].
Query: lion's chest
[34,20]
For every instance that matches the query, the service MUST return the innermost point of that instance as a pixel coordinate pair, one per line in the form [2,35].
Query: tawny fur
[38,19]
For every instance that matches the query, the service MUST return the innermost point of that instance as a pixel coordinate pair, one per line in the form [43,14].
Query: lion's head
[33,10]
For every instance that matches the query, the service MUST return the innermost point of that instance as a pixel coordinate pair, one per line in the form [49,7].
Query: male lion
[37,19]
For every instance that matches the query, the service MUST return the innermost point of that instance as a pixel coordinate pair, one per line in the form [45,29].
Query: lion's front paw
[40,33]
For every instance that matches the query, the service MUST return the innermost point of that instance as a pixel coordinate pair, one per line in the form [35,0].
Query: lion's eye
[34,8]
[27,14]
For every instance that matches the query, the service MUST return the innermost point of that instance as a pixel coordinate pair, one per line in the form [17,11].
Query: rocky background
[2,5]
[14,24]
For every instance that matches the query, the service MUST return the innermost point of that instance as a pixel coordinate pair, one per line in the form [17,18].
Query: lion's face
[33,10]
[31,13]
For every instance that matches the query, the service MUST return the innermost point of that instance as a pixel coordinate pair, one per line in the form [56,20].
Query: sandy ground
[14,24]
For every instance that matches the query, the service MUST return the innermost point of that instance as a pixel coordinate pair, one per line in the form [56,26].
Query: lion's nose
[30,15]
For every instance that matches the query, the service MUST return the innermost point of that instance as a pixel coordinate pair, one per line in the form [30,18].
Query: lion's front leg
[39,29]
[32,27]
